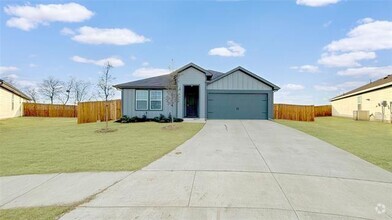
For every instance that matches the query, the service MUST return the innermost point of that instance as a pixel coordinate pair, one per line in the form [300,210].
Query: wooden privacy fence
[322,110]
[301,112]
[49,110]
[95,111]
[294,112]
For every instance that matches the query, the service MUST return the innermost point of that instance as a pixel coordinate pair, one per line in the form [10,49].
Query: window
[359,102]
[155,99]
[141,99]
[13,102]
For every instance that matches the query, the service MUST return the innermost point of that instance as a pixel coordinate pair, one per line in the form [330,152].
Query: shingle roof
[215,74]
[11,88]
[157,82]
[367,87]
[161,82]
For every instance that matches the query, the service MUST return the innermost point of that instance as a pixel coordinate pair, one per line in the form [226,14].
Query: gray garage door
[237,106]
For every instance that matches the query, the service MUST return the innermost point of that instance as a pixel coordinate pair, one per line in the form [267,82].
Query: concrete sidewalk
[53,189]
[248,170]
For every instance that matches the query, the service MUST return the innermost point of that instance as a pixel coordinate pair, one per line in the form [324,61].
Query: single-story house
[373,99]
[204,94]
[11,100]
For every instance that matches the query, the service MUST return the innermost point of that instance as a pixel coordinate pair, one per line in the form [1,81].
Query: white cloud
[293,87]
[316,3]
[114,36]
[345,60]
[375,72]
[371,36]
[116,62]
[145,64]
[327,24]
[32,65]
[133,58]
[365,20]
[145,72]
[339,87]
[67,31]
[27,17]
[233,49]
[306,68]
[7,69]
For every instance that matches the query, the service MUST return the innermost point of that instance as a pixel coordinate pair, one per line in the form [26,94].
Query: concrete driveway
[248,170]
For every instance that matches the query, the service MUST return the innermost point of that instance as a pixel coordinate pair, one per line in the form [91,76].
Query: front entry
[191,96]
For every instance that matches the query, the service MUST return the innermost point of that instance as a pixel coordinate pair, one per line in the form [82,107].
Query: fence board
[95,111]
[49,110]
[322,110]
[294,112]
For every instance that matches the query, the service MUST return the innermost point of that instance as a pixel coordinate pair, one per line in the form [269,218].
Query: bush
[160,119]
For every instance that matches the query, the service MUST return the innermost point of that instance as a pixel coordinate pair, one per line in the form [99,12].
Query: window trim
[136,100]
[161,100]
[148,100]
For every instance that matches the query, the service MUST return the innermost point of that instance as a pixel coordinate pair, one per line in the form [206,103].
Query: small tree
[50,88]
[81,90]
[33,93]
[106,89]
[172,91]
[67,90]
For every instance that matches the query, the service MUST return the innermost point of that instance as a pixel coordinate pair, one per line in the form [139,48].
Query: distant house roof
[11,88]
[378,84]
[161,82]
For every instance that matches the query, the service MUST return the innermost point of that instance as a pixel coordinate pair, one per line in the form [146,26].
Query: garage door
[237,106]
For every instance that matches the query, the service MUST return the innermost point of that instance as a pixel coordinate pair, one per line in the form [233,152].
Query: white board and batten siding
[192,76]
[129,106]
[238,81]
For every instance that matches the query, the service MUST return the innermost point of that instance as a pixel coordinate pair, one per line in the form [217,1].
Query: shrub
[160,119]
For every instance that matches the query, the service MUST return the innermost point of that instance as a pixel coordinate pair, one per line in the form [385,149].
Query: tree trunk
[106,115]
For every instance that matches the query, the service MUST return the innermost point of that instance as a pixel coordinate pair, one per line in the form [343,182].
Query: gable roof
[274,87]
[11,88]
[161,82]
[378,84]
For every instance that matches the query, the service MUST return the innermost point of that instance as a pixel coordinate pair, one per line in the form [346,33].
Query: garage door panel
[237,106]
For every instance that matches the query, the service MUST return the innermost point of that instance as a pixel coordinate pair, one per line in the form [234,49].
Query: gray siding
[129,109]
[192,76]
[238,81]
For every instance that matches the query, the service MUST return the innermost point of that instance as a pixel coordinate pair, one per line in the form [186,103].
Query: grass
[52,145]
[370,141]
[38,213]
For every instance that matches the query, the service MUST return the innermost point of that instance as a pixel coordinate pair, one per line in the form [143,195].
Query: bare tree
[81,90]
[50,88]
[67,90]
[10,80]
[171,89]
[105,88]
[33,93]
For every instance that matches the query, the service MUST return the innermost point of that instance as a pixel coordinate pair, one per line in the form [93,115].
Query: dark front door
[191,101]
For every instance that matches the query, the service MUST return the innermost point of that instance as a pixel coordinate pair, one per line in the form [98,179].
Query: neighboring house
[205,94]
[375,97]
[11,100]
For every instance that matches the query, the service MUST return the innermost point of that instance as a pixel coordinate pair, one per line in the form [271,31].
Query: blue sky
[312,49]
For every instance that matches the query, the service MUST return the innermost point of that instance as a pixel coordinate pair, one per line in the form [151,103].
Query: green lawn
[371,141]
[50,145]
[38,213]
